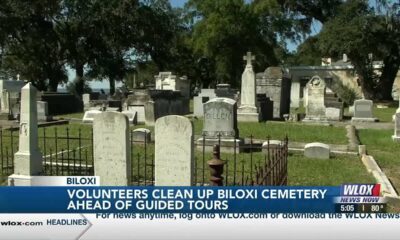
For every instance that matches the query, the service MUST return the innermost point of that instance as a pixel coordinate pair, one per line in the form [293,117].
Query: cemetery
[242,117]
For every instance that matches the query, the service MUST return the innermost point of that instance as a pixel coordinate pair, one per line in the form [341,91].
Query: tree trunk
[389,71]
[79,87]
[112,86]
[365,83]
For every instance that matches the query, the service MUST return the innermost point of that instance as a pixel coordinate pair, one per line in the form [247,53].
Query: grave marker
[174,153]
[248,111]
[111,149]
[28,159]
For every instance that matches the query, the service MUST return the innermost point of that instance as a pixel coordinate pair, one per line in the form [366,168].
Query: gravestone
[204,96]
[315,106]
[317,150]
[248,111]
[174,153]
[334,110]
[5,111]
[396,136]
[141,135]
[220,126]
[363,111]
[28,159]
[272,145]
[111,149]
[42,111]
[275,84]
[220,118]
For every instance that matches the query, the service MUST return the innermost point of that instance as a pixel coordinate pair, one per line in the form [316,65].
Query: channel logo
[361,190]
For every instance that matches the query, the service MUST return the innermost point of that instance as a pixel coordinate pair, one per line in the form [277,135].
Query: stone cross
[249,58]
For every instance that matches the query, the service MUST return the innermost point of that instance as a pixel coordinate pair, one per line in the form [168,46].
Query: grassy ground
[384,150]
[278,130]
[302,171]
[296,132]
[384,114]
[333,172]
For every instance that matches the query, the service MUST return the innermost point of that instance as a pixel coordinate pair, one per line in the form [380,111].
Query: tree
[359,32]
[29,43]
[224,31]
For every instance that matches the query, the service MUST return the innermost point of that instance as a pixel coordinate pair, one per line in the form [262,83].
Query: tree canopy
[205,39]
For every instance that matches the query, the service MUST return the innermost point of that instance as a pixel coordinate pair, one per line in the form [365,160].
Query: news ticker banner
[83,195]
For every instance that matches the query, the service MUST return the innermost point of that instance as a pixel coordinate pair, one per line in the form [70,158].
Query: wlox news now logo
[360,193]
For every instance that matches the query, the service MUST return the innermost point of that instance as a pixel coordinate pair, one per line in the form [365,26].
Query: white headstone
[174,153]
[396,136]
[334,114]
[315,107]
[317,150]
[28,159]
[42,109]
[5,101]
[141,135]
[272,145]
[248,97]
[111,149]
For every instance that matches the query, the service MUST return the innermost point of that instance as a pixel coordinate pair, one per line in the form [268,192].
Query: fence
[69,151]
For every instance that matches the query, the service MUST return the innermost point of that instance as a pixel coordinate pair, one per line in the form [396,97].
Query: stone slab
[174,151]
[88,117]
[317,150]
[111,149]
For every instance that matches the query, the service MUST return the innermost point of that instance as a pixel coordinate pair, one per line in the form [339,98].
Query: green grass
[333,172]
[384,114]
[296,132]
[386,152]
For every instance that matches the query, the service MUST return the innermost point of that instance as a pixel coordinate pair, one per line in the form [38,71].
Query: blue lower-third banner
[171,199]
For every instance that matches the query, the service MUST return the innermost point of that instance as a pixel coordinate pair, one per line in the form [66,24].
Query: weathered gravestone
[317,150]
[5,111]
[248,111]
[396,136]
[220,118]
[141,135]
[28,159]
[315,103]
[363,111]
[275,85]
[43,111]
[174,153]
[111,149]
[220,125]
[273,146]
